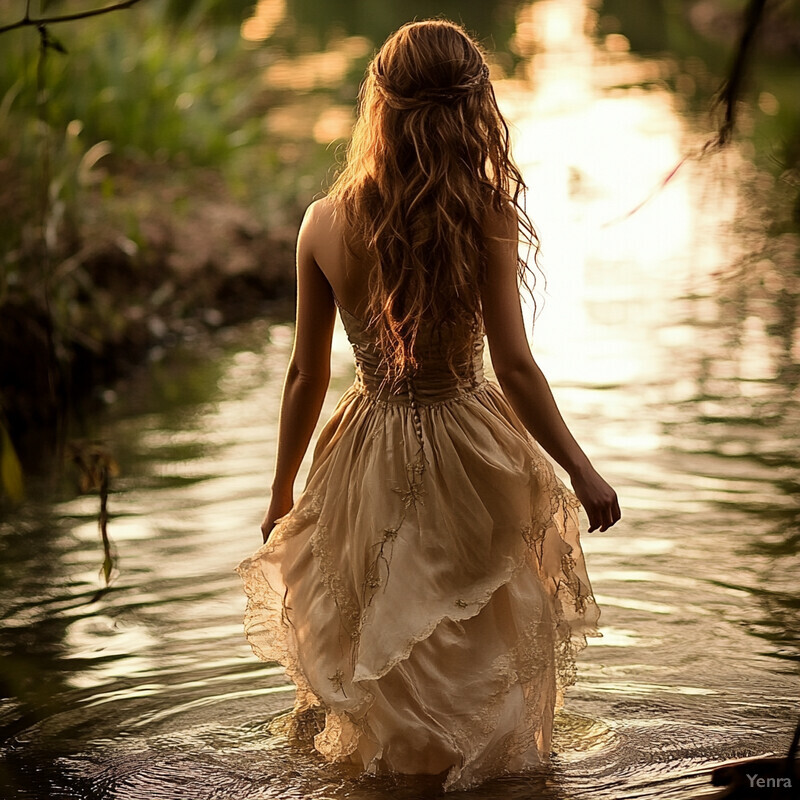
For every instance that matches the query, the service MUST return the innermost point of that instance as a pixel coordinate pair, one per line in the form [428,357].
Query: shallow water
[672,372]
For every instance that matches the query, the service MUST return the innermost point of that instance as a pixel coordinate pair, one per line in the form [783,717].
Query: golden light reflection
[102,637]
[649,688]
[267,15]
[317,70]
[209,680]
[635,604]
[285,120]
[591,153]
[577,736]
[768,103]
[310,71]
[325,121]
[616,637]
[643,576]
[333,123]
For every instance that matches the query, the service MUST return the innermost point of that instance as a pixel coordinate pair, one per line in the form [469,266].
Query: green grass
[136,78]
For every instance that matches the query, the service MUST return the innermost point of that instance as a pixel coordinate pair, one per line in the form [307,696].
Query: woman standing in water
[426,592]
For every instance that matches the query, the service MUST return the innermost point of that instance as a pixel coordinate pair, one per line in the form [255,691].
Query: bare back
[348,277]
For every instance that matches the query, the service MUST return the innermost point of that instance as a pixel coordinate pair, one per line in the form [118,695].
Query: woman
[427,592]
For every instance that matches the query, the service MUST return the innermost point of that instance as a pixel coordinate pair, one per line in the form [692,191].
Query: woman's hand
[279,505]
[597,497]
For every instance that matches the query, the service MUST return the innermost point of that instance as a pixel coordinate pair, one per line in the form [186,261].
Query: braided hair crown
[435,94]
[428,64]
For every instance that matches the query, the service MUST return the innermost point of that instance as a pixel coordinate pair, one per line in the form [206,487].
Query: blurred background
[155,163]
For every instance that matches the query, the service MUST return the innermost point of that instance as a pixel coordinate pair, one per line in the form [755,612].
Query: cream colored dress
[427,593]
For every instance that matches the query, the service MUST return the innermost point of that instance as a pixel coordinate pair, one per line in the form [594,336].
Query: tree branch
[28,21]
[728,93]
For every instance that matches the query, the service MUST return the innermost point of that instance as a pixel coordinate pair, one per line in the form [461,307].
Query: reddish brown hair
[428,160]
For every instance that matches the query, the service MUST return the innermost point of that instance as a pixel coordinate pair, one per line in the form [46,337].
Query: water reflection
[667,357]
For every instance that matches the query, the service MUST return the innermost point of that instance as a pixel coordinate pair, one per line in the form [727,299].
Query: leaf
[108,566]
[10,469]
[90,158]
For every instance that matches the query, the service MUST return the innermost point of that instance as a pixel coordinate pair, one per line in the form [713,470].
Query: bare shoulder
[321,223]
[321,213]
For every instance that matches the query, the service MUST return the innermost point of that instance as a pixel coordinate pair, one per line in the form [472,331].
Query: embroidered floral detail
[385,545]
[314,502]
[534,536]
[461,603]
[337,679]
[572,583]
[306,508]
[414,490]
[410,496]
[561,496]
[372,580]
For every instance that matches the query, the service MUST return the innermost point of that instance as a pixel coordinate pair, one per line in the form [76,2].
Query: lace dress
[427,593]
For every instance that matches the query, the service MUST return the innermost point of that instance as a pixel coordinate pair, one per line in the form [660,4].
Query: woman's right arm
[524,384]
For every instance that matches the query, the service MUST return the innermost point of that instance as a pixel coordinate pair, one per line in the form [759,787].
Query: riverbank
[166,254]
[150,187]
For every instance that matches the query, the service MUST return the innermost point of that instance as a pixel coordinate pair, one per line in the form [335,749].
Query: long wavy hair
[429,158]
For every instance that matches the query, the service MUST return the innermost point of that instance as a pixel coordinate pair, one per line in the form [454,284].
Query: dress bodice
[431,383]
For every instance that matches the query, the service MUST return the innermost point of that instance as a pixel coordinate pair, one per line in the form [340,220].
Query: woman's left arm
[308,373]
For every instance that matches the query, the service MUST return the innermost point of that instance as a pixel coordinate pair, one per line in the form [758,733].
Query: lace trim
[267,627]
[523,664]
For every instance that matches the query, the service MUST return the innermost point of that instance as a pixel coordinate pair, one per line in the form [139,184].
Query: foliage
[10,469]
[151,85]
[154,98]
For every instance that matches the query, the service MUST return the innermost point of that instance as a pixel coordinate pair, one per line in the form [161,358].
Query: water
[671,364]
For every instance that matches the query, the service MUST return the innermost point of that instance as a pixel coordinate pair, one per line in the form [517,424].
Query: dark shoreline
[216,268]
